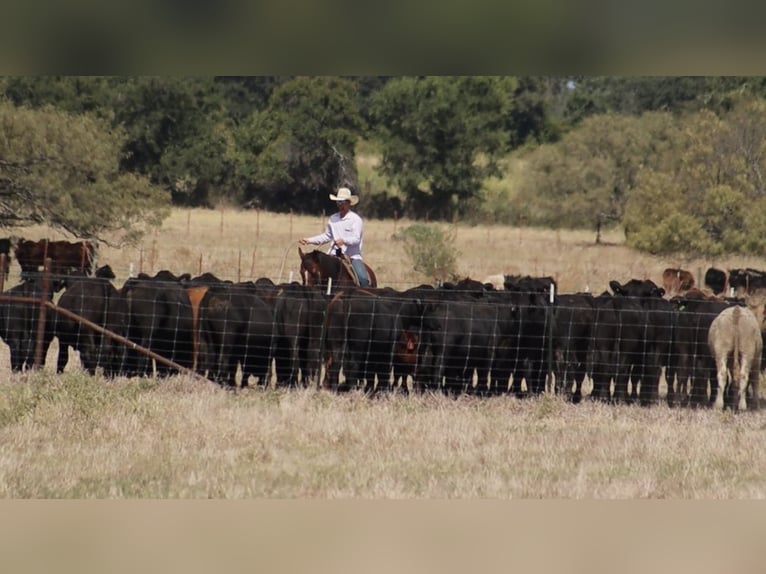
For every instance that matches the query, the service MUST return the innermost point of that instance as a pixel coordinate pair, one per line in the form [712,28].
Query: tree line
[682,152]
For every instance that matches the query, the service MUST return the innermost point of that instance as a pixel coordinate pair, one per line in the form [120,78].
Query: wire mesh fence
[452,339]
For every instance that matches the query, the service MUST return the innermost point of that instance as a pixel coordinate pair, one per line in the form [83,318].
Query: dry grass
[74,436]
[250,244]
[77,436]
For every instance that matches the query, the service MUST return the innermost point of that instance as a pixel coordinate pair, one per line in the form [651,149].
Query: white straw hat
[344,194]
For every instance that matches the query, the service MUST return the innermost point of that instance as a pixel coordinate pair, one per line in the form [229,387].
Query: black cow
[716,280]
[603,351]
[160,319]
[747,280]
[530,298]
[19,322]
[529,284]
[457,338]
[693,366]
[645,335]
[98,301]
[235,330]
[491,334]
[573,319]
[299,316]
[377,337]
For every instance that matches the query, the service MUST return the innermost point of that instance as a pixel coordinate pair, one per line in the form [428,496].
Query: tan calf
[735,342]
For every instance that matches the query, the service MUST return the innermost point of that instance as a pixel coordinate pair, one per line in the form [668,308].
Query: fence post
[44,290]
[549,317]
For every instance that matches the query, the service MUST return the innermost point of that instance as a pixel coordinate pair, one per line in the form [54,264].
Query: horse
[317,267]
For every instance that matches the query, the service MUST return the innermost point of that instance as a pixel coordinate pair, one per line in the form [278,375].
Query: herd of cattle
[467,337]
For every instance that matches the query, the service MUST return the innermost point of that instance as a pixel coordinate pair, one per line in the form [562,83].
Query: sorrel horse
[317,267]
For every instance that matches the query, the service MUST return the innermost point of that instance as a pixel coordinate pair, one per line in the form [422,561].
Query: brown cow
[736,343]
[676,281]
[65,256]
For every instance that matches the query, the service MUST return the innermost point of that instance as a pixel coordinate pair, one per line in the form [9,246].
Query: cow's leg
[705,371]
[721,377]
[621,383]
[650,384]
[755,374]
[63,355]
[678,392]
[741,388]
[17,360]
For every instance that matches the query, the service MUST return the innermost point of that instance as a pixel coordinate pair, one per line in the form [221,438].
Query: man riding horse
[345,230]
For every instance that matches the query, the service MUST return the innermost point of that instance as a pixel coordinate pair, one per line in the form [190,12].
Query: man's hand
[340,242]
[303,241]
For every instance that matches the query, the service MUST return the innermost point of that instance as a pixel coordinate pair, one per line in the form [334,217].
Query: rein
[282,266]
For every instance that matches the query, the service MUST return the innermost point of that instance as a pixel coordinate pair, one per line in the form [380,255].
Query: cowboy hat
[344,194]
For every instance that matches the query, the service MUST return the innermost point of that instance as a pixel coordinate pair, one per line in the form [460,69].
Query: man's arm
[318,239]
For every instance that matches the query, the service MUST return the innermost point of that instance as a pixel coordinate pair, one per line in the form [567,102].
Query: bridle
[311,276]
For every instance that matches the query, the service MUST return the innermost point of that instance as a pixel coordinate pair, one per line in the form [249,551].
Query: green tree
[244,95]
[63,170]
[710,200]
[74,94]
[592,95]
[179,136]
[440,138]
[531,118]
[301,148]
[584,180]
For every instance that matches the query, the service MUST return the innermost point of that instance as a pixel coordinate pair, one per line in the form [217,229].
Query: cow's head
[637,288]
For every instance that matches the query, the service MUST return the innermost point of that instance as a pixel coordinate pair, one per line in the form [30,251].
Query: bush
[431,250]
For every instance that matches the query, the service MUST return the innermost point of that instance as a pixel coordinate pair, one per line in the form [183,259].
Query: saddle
[346,261]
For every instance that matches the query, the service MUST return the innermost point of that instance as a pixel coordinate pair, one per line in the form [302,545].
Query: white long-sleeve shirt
[349,228]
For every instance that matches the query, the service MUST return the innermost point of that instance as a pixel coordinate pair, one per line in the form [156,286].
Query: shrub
[431,249]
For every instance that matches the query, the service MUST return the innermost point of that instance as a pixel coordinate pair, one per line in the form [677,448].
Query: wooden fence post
[39,360]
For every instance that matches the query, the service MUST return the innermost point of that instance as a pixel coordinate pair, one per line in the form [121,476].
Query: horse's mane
[329,265]
[328,259]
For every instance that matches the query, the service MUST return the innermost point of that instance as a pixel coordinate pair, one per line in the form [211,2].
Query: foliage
[178,137]
[431,249]
[532,116]
[63,170]
[590,151]
[712,201]
[301,147]
[440,138]
[584,180]
[636,95]
[74,94]
[244,95]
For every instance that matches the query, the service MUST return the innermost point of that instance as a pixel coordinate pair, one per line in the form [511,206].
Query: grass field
[77,436]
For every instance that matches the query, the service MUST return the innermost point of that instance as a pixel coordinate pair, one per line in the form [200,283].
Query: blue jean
[361,272]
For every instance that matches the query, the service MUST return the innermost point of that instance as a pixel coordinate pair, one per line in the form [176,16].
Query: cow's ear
[615,287]
[661,291]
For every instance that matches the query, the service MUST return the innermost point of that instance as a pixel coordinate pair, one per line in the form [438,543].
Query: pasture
[72,435]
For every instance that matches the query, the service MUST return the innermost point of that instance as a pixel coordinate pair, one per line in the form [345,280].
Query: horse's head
[311,272]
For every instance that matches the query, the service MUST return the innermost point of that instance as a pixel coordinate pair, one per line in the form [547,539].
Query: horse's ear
[300,252]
